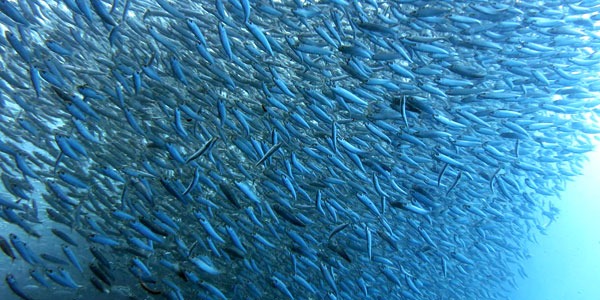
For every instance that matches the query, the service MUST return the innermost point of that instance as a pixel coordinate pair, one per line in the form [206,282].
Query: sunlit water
[565,264]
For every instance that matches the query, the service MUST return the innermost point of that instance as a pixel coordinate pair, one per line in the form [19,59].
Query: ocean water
[564,263]
[178,149]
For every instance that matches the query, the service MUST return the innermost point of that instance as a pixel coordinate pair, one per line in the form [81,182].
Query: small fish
[296,150]
[206,147]
[15,288]
[269,153]
[5,246]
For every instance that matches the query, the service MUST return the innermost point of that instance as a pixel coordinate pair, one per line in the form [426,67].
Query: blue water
[565,263]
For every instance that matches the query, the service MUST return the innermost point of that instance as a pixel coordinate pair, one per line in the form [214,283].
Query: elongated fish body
[15,287]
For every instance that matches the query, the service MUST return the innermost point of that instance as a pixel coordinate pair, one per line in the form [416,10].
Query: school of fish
[254,149]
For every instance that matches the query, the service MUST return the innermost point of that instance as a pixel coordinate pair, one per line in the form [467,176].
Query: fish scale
[339,109]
